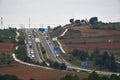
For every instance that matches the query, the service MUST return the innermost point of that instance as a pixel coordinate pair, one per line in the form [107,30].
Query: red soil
[114,38]
[86,31]
[26,72]
[6,46]
[93,46]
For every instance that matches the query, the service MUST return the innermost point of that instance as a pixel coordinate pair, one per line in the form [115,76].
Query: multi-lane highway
[51,54]
[31,46]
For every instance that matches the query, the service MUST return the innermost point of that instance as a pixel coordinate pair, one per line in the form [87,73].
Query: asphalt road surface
[31,46]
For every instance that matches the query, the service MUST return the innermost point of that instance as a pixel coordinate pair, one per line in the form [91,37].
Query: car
[47,38]
[29,42]
[31,51]
[57,56]
[29,35]
[32,56]
[30,46]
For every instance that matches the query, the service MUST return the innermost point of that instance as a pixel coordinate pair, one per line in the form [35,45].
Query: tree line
[8,35]
[11,77]
[91,76]
[94,23]
[103,60]
[56,65]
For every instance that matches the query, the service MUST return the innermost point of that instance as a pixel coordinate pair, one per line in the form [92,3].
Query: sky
[56,12]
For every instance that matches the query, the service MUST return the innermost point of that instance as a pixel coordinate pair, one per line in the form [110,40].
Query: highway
[32,51]
[52,55]
[45,40]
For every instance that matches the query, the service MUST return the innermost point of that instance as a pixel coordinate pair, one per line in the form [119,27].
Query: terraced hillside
[85,38]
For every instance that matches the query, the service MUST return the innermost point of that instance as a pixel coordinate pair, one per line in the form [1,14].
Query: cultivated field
[89,39]
[6,46]
[26,72]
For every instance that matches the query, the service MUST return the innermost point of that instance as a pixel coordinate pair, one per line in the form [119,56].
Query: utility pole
[29,22]
[1,22]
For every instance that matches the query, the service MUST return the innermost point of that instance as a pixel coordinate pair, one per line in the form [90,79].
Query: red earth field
[26,72]
[95,38]
[6,46]
[87,31]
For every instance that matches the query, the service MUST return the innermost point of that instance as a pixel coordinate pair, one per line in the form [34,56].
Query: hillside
[88,39]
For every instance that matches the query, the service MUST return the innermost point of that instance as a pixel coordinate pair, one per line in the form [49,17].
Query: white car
[57,55]
[31,51]
[32,56]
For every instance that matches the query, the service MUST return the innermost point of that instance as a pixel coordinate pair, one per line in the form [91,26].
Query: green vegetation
[56,31]
[57,65]
[97,59]
[95,24]
[103,60]
[91,76]
[7,35]
[78,22]
[70,77]
[9,77]
[95,76]
[82,55]
[71,34]
[42,49]
[5,59]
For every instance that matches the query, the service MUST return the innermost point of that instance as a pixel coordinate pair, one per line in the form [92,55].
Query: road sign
[56,48]
[41,30]
[84,64]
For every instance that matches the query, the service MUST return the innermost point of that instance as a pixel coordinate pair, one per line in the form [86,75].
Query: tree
[93,76]
[95,54]
[77,22]
[96,50]
[55,65]
[49,28]
[114,77]
[31,79]
[62,66]
[99,60]
[84,55]
[106,59]
[75,77]
[113,65]
[5,59]
[93,20]
[67,77]
[72,21]
[83,21]
[70,77]
[104,78]
[1,40]
[9,77]
[75,52]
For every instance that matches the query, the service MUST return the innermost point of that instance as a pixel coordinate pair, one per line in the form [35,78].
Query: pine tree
[93,76]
